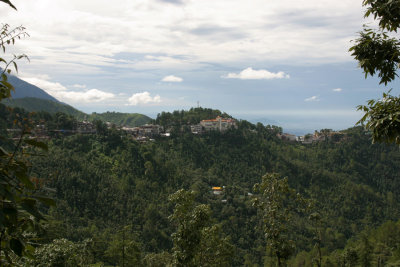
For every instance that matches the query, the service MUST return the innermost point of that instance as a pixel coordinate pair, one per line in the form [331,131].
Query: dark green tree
[378,52]
[277,204]
[190,219]
[195,242]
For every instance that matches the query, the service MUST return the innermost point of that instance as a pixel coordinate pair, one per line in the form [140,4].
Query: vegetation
[112,193]
[121,119]
[38,105]
[31,104]
[277,204]
[19,194]
[379,53]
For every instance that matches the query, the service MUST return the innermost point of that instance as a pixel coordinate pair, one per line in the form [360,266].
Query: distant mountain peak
[25,89]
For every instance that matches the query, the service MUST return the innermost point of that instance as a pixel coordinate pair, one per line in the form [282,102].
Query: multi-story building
[219,124]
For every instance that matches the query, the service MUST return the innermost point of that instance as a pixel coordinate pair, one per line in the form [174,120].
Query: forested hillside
[121,119]
[118,201]
[33,104]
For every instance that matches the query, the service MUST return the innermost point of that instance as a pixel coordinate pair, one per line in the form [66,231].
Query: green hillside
[108,181]
[121,119]
[37,104]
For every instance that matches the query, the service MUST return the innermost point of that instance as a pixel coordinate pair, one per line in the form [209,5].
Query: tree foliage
[196,243]
[379,53]
[19,195]
[105,181]
[278,203]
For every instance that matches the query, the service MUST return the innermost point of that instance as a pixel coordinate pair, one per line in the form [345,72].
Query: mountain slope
[25,89]
[32,98]
[36,104]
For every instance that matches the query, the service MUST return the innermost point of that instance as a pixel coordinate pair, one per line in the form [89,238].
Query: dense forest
[120,202]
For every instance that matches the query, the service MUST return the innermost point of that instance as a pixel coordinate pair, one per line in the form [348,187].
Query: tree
[214,249]
[196,243]
[123,249]
[190,220]
[277,203]
[62,252]
[19,196]
[379,53]
[316,222]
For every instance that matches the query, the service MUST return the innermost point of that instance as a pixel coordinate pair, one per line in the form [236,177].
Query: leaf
[15,66]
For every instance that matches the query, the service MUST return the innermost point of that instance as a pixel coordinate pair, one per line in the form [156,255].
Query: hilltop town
[150,131]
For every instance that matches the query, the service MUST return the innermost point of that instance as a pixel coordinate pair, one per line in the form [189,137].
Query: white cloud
[89,96]
[143,99]
[250,74]
[63,94]
[337,89]
[172,78]
[312,99]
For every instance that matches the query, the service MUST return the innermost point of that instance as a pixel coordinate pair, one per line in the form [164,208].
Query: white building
[218,123]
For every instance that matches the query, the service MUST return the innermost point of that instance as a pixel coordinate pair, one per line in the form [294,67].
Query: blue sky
[283,62]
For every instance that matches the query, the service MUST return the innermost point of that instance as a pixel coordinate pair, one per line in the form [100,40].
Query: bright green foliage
[377,52]
[277,204]
[195,244]
[62,252]
[190,220]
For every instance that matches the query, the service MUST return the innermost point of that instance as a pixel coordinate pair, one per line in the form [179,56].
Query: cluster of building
[147,130]
[217,124]
[140,133]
